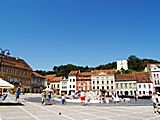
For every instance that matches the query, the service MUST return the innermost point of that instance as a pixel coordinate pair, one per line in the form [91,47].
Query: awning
[5,84]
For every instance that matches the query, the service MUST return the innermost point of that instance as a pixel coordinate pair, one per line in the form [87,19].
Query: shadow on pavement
[10,104]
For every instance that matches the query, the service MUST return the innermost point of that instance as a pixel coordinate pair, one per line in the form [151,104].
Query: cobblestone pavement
[35,111]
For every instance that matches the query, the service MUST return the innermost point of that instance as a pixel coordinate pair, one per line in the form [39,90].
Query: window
[144,92]
[10,71]
[118,92]
[98,87]
[70,86]
[54,85]
[121,92]
[111,82]
[116,85]
[107,87]
[73,86]
[102,82]
[149,86]
[73,80]
[58,85]
[107,82]
[93,87]
[125,85]
[93,82]
[97,82]
[139,86]
[144,86]
[111,87]
[140,92]
[103,87]
[131,92]
[121,85]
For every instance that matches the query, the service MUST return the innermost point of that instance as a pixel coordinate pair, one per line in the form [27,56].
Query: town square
[79,60]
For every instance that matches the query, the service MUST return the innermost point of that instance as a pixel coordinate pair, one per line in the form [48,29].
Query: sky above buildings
[46,33]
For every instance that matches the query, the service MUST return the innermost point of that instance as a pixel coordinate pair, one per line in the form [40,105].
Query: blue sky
[83,32]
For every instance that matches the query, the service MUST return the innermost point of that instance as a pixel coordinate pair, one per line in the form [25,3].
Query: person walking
[18,92]
[155,102]
[43,96]
[83,97]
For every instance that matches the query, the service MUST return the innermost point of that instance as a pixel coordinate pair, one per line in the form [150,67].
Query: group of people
[46,97]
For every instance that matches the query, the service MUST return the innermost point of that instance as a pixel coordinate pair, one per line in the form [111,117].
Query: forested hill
[134,63]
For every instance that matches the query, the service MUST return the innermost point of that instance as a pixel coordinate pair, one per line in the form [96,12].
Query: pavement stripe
[51,111]
[35,117]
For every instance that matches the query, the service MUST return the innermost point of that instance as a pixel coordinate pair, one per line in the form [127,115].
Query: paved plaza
[35,111]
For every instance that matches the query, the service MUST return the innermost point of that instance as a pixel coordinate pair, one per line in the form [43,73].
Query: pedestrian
[18,92]
[135,95]
[82,97]
[62,99]
[88,99]
[43,96]
[155,102]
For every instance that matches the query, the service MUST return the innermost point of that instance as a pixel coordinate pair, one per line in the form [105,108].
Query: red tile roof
[37,75]
[104,71]
[125,77]
[15,62]
[74,73]
[56,79]
[140,77]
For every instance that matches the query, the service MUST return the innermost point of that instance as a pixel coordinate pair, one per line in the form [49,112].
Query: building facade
[84,81]
[126,84]
[16,71]
[103,81]
[37,82]
[63,85]
[154,70]
[71,84]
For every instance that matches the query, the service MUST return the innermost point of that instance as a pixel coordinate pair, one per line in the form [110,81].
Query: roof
[84,74]
[37,75]
[143,77]
[125,77]
[56,79]
[74,73]
[15,62]
[104,71]
[140,77]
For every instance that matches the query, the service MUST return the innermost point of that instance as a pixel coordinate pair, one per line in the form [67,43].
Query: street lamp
[2,54]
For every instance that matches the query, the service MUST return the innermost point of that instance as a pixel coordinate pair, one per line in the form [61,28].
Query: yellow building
[16,71]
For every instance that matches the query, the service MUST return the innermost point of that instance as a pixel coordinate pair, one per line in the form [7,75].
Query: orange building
[16,71]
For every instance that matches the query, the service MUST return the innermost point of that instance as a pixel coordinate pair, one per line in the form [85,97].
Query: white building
[154,70]
[126,84]
[144,84]
[122,64]
[71,84]
[63,85]
[103,81]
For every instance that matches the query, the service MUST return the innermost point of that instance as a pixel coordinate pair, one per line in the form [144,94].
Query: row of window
[144,86]
[54,86]
[15,72]
[72,80]
[125,85]
[157,82]
[103,87]
[156,75]
[103,82]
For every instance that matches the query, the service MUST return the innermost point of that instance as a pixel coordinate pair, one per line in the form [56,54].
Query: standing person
[18,92]
[136,95]
[88,99]
[82,97]
[155,102]
[63,99]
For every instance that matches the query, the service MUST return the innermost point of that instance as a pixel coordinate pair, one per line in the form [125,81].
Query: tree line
[134,64]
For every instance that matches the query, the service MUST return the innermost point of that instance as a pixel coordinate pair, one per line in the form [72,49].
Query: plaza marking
[51,111]
[86,113]
[35,117]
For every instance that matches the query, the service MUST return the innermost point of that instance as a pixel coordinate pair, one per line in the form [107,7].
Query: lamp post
[2,54]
